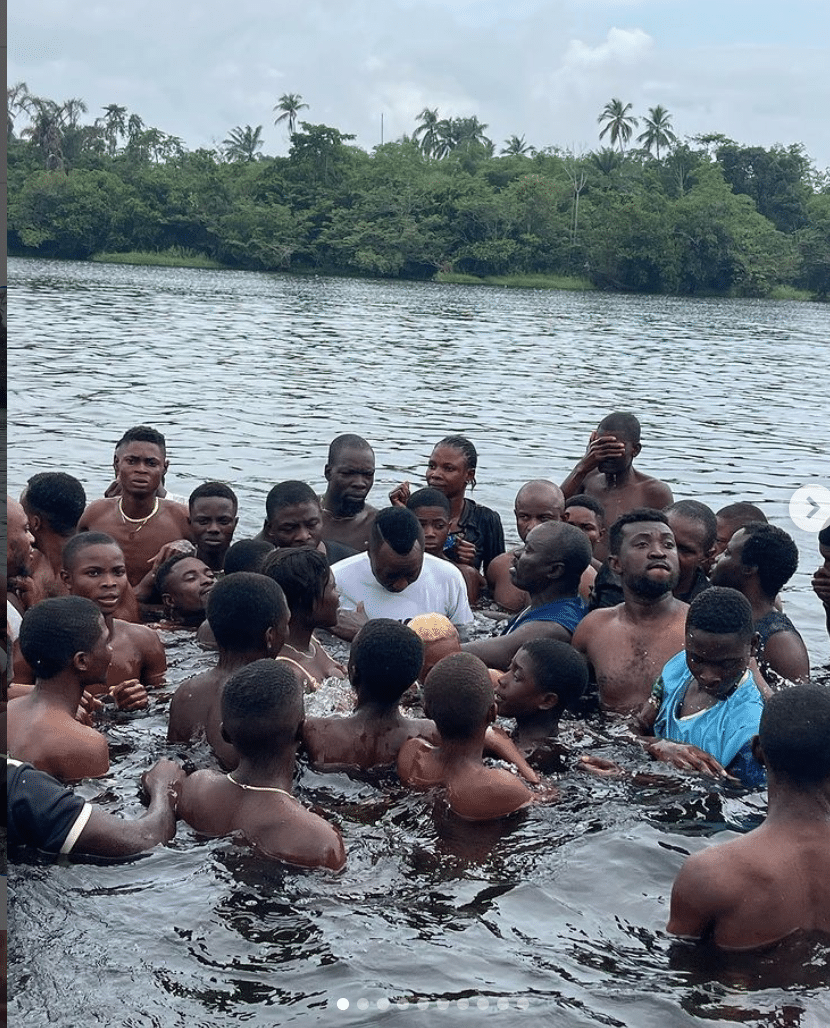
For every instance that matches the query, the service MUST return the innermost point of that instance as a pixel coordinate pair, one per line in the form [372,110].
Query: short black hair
[387,657]
[301,572]
[428,498]
[632,517]
[142,434]
[622,424]
[262,705]
[722,611]
[220,489]
[559,668]
[347,442]
[458,693]
[289,494]
[795,727]
[165,569]
[242,607]
[58,498]
[742,512]
[246,555]
[82,541]
[574,549]
[824,536]
[589,503]
[773,552]
[463,444]
[398,527]
[694,510]
[54,630]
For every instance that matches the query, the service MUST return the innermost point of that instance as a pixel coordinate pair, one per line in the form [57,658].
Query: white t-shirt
[439,589]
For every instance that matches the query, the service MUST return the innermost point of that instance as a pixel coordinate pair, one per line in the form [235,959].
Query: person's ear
[35,521]
[492,713]
[548,701]
[80,661]
[614,563]
[167,600]
[224,734]
[65,578]
[271,639]
[327,472]
[166,466]
[635,450]
[754,643]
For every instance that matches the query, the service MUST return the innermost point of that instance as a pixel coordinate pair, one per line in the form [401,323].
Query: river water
[558,914]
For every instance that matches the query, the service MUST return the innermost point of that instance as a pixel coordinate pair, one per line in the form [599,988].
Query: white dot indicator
[343,1004]
[362,1003]
[463,1004]
[423,1004]
[383,1003]
[443,1004]
[503,1004]
[522,1004]
[482,1003]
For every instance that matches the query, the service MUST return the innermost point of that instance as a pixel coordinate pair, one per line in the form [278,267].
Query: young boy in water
[432,509]
[545,677]
[440,638]
[93,567]
[385,659]
[184,583]
[773,881]
[458,696]
[262,714]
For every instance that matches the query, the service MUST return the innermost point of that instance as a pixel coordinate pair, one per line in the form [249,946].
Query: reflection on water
[250,376]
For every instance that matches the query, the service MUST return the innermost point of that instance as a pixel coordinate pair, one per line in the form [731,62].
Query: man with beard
[350,473]
[628,645]
[19,557]
[548,568]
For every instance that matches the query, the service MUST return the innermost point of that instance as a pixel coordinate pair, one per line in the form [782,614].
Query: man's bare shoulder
[593,622]
[191,704]
[139,635]
[97,511]
[488,793]
[414,760]
[299,837]
[653,492]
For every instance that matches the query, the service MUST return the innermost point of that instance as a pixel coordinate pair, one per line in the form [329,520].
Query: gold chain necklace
[311,653]
[141,522]
[258,788]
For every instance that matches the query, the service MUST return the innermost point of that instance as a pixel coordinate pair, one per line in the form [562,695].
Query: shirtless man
[549,568]
[384,661]
[66,642]
[140,522]
[695,531]
[311,593]
[758,561]
[185,583]
[606,472]
[458,696]
[765,885]
[628,645]
[213,519]
[293,518]
[732,517]
[350,473]
[249,618]
[19,559]
[262,712]
[93,567]
[54,503]
[536,502]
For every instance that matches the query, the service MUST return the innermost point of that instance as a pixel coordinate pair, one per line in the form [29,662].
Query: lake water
[559,914]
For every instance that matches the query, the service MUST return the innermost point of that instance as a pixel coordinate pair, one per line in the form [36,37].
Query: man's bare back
[53,741]
[359,741]
[195,711]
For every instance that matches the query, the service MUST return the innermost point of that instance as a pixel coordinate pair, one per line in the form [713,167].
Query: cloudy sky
[755,70]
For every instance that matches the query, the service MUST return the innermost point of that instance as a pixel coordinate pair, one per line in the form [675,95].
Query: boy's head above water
[262,708]
[384,661]
[439,636]
[458,696]
[720,639]
[546,676]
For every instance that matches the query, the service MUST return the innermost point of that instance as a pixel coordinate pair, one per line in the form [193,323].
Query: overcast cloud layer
[755,70]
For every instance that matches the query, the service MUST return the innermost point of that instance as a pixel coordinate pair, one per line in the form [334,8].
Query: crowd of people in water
[663,614]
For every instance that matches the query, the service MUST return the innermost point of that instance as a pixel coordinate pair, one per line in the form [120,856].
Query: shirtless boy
[536,502]
[350,473]
[93,567]
[249,618]
[213,519]
[458,696]
[432,509]
[588,515]
[760,888]
[140,522]
[627,645]
[65,641]
[606,472]
[385,659]
[262,712]
[54,503]
[184,583]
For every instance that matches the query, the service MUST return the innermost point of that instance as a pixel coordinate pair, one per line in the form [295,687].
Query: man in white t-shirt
[396,579]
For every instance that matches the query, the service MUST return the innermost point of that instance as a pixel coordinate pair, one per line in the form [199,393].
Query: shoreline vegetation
[649,213]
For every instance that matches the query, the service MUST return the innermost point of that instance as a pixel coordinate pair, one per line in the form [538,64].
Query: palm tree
[658,130]
[46,131]
[290,104]
[135,126]
[114,125]
[71,111]
[242,144]
[618,122]
[19,101]
[517,147]
[428,130]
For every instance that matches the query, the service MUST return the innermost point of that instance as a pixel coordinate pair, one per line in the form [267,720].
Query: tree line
[702,215]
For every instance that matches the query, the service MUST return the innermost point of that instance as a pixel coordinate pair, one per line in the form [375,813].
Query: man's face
[18,541]
[534,507]
[395,571]
[141,467]
[351,477]
[188,585]
[327,606]
[586,521]
[647,560]
[517,694]
[299,524]
[618,465]
[717,660]
[726,529]
[213,521]
[534,563]
[729,568]
[690,538]
[98,574]
[436,525]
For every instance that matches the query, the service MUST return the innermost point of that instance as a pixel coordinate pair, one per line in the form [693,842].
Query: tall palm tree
[242,144]
[71,111]
[290,104]
[619,124]
[517,147]
[428,130]
[658,130]
[19,101]
[114,125]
